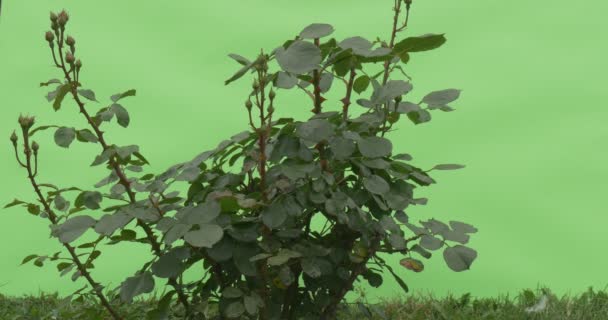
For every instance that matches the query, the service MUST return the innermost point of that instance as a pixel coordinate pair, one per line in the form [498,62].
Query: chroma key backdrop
[530,123]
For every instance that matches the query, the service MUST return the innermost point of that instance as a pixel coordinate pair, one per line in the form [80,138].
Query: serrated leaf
[14,203]
[112,222]
[462,227]
[240,59]
[234,310]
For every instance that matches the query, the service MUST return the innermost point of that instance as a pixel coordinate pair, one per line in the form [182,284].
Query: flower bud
[248,104]
[54,25]
[398,99]
[255,85]
[35,147]
[14,138]
[49,36]
[70,41]
[270,109]
[26,122]
[53,16]
[271,94]
[62,18]
[69,58]
[78,64]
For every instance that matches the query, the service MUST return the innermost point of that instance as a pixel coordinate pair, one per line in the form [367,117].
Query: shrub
[246,217]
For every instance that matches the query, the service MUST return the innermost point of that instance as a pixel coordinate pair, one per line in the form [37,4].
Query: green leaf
[361,84]
[430,242]
[316,30]
[442,97]
[33,209]
[128,93]
[398,279]
[134,286]
[206,236]
[44,84]
[112,222]
[240,59]
[176,232]
[315,130]
[72,228]
[421,43]
[420,116]
[61,92]
[421,251]
[242,71]
[360,46]
[401,216]
[375,147]
[459,258]
[234,310]
[282,257]
[462,227]
[391,90]
[29,258]
[87,93]
[40,129]
[376,184]
[342,148]
[274,215]
[122,116]
[448,167]
[64,136]
[202,213]
[91,199]
[85,135]
[251,305]
[232,293]
[412,264]
[168,265]
[60,203]
[14,203]
[285,80]
[311,267]
[241,255]
[299,58]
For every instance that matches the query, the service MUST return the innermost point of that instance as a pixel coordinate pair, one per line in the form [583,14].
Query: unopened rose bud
[255,85]
[398,99]
[62,18]
[49,36]
[69,58]
[270,109]
[35,147]
[408,3]
[14,138]
[70,41]
[53,17]
[26,122]
[272,94]
[78,64]
[248,104]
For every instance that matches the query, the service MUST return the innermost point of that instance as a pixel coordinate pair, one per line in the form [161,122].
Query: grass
[590,305]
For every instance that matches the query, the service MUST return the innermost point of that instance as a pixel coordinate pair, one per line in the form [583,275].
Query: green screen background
[530,124]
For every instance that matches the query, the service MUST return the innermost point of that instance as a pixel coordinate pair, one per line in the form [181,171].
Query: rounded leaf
[375,184]
[459,258]
[206,236]
[316,30]
[73,228]
[301,57]
[64,136]
[375,147]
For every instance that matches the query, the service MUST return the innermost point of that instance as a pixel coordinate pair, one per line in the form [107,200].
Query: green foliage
[251,228]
